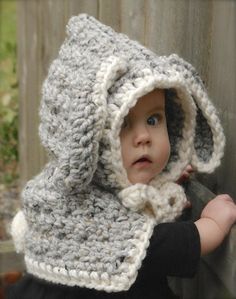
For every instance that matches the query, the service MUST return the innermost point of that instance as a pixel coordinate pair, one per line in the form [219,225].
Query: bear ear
[83,148]
[209,138]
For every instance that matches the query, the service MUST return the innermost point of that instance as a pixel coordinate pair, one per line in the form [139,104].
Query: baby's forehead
[154,100]
[156,94]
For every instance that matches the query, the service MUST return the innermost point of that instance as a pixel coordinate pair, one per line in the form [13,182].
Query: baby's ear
[209,138]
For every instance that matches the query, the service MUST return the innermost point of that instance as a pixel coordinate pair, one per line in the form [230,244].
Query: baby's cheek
[125,150]
[166,151]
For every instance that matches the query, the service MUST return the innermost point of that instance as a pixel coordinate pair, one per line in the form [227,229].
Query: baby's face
[145,145]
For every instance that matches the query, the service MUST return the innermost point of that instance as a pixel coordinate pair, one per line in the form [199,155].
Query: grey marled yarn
[82,222]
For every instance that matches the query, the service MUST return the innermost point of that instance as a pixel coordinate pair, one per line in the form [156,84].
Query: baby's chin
[140,179]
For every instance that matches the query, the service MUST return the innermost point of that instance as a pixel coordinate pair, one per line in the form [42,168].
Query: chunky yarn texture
[82,222]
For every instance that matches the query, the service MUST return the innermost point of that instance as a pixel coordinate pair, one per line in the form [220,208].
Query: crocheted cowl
[82,222]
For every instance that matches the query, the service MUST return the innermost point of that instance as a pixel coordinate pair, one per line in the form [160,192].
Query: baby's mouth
[143,161]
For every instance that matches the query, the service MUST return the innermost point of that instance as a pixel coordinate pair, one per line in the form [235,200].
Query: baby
[120,125]
[145,149]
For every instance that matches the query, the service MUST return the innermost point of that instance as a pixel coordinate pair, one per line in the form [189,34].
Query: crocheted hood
[83,223]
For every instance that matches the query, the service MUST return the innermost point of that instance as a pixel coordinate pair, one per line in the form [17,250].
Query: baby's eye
[153,120]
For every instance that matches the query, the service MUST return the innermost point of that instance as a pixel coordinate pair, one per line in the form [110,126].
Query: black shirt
[174,250]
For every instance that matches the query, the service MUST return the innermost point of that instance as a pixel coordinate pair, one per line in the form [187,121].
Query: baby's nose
[142,137]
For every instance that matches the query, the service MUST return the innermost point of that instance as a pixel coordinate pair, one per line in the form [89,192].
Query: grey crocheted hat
[82,222]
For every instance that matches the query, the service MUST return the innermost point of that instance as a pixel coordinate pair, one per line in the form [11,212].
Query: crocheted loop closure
[164,204]
[19,228]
